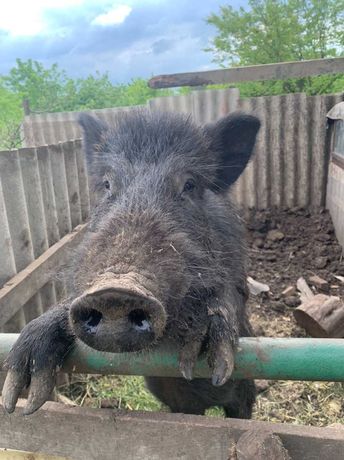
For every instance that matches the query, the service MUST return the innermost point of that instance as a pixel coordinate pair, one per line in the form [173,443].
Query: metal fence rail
[259,358]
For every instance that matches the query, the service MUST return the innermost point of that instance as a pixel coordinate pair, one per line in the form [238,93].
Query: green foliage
[43,87]
[322,84]
[11,114]
[138,93]
[280,31]
[49,89]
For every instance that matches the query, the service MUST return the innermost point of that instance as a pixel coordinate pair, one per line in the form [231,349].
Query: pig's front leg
[221,335]
[34,358]
[223,338]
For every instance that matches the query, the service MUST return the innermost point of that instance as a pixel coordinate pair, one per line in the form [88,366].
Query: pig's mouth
[116,315]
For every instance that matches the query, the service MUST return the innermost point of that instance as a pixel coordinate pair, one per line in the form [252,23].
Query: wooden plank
[81,433]
[9,454]
[60,185]
[48,293]
[47,187]
[16,216]
[82,179]
[277,71]
[72,182]
[16,292]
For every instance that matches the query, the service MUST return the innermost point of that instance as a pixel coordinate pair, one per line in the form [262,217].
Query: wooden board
[19,289]
[277,71]
[10,454]
[87,434]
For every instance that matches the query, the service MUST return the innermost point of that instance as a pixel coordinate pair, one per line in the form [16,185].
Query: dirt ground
[283,246]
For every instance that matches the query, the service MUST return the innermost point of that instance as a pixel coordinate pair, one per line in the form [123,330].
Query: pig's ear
[93,131]
[232,140]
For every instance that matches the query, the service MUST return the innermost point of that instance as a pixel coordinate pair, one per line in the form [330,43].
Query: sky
[126,38]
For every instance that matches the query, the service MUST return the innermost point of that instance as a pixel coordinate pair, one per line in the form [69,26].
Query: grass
[114,391]
[303,403]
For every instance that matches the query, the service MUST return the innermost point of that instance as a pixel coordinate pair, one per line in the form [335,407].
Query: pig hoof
[32,362]
[41,387]
[15,382]
[186,368]
[222,364]
[188,357]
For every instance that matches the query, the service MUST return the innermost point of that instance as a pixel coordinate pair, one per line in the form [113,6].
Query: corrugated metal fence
[44,188]
[290,165]
[43,196]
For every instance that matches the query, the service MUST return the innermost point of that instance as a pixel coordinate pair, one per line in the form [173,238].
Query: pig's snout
[117,315]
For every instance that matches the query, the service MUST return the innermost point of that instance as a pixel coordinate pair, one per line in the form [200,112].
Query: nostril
[90,319]
[140,320]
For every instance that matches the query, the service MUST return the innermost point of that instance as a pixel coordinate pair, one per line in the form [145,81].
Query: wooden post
[322,316]
[80,433]
[277,71]
[26,107]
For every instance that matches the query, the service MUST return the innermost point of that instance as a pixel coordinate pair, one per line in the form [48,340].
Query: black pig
[162,263]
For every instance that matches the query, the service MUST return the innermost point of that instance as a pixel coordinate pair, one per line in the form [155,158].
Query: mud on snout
[118,314]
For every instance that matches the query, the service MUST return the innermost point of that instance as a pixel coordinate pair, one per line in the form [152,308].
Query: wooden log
[322,316]
[277,71]
[258,445]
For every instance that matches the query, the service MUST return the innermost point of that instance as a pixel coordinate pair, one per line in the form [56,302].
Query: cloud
[155,37]
[162,45]
[115,16]
[26,18]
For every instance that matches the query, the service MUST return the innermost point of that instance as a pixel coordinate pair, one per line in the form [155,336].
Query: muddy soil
[284,246]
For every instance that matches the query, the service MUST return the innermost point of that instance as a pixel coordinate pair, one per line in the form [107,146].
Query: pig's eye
[106,184]
[189,186]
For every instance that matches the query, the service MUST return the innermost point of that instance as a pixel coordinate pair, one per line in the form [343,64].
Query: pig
[162,264]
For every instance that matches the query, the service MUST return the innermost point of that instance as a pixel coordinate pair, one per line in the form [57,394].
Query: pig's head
[160,226]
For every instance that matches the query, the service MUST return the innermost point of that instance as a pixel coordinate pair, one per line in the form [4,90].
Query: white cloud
[117,15]
[26,18]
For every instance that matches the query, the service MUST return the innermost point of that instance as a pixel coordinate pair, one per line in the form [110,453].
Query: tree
[279,31]
[44,87]
[138,93]
[49,89]
[11,115]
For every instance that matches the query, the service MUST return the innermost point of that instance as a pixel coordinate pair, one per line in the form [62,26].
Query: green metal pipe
[259,358]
